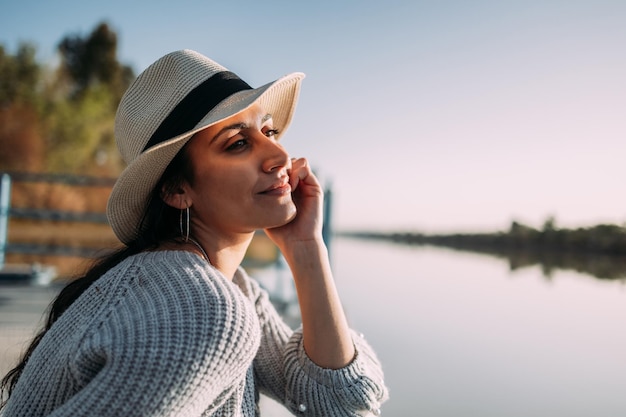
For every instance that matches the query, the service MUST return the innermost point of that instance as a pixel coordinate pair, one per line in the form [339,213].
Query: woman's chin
[286,217]
[292,215]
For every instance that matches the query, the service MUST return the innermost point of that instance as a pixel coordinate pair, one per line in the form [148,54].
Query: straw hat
[174,98]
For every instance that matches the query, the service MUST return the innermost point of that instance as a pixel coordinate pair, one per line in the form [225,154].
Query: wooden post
[328,208]
[5,203]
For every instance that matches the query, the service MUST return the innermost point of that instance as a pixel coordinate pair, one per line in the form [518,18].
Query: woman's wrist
[298,251]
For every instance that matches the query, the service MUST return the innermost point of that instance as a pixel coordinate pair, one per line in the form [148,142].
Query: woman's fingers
[299,171]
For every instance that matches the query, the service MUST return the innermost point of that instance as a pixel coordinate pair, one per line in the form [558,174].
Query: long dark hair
[160,223]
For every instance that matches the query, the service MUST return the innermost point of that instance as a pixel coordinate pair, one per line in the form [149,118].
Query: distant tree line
[61,119]
[605,239]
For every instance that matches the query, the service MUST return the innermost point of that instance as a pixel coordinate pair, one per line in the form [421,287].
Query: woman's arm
[169,344]
[329,370]
[326,335]
[327,339]
[286,373]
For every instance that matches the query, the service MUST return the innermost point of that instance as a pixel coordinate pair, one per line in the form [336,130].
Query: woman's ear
[176,197]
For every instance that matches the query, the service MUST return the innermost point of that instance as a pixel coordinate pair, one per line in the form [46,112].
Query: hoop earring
[184,234]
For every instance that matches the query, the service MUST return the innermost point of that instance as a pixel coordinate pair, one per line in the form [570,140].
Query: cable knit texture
[165,334]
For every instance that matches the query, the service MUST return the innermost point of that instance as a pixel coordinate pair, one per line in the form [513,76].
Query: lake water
[459,334]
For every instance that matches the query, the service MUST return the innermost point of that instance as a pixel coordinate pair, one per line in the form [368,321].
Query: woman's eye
[271,132]
[237,145]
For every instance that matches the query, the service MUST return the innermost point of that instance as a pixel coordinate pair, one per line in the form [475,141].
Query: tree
[20,103]
[62,121]
[20,75]
[549,225]
[81,124]
[90,61]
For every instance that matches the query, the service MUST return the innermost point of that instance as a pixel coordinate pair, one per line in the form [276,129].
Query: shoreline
[599,251]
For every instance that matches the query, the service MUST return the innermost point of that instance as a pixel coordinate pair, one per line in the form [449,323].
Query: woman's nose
[276,157]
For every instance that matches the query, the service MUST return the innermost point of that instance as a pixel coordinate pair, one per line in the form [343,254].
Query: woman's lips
[279,189]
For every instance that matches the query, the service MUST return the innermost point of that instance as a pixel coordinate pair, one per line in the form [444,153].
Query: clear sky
[424,115]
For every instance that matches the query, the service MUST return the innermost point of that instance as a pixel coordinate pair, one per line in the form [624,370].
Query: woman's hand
[308,196]
[327,340]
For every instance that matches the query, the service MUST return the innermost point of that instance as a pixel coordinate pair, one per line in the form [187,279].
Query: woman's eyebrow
[234,126]
[240,125]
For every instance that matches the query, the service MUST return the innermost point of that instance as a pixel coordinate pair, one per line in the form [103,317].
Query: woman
[170,324]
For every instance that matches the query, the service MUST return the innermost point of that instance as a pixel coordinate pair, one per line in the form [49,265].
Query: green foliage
[93,61]
[598,250]
[549,225]
[605,239]
[20,109]
[62,120]
[81,132]
[20,79]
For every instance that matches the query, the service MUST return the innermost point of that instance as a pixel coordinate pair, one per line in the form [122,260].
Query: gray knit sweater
[165,334]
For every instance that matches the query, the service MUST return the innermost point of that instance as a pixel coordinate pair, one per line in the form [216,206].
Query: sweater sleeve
[284,371]
[169,346]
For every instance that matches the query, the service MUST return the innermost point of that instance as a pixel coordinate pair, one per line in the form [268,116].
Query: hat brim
[133,188]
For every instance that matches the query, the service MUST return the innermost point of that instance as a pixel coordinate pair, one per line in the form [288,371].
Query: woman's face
[240,175]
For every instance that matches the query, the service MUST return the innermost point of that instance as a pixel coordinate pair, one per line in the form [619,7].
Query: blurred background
[472,152]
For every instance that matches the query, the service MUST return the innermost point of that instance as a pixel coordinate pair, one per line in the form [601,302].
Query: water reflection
[598,266]
[460,334]
[456,335]
[606,267]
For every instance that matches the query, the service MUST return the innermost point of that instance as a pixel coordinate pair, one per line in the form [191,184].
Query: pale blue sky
[436,116]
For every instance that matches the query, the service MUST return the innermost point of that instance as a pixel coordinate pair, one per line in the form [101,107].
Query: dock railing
[38,214]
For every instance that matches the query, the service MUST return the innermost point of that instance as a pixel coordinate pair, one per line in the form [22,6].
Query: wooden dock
[31,274]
